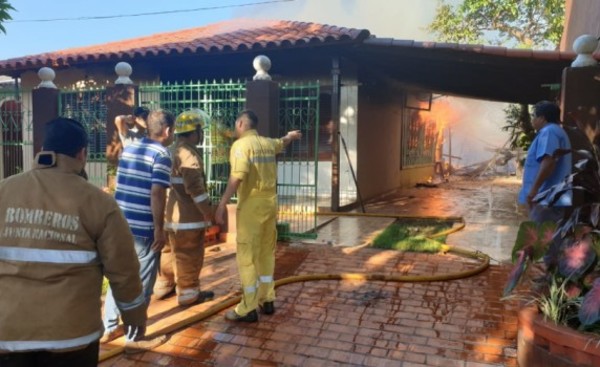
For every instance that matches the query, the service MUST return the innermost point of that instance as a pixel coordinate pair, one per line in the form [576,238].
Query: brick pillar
[262,97]
[120,100]
[580,109]
[45,106]
[580,93]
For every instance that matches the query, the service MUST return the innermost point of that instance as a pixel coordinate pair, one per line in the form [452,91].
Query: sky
[400,19]
[30,33]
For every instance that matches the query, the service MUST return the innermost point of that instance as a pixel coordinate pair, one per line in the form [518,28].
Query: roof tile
[237,34]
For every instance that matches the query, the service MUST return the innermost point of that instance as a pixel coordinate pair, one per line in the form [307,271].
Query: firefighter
[254,177]
[54,252]
[188,214]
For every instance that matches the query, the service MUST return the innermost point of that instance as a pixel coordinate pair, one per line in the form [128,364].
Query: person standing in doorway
[143,176]
[542,168]
[54,251]
[188,214]
[254,177]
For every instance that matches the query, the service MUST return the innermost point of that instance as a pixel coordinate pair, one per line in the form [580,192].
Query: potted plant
[564,322]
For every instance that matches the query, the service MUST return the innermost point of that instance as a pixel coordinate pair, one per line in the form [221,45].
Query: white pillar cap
[123,70]
[262,65]
[46,76]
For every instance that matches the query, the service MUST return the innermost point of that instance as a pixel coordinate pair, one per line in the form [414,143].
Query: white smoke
[479,127]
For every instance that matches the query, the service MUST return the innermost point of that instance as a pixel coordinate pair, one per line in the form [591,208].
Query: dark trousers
[86,357]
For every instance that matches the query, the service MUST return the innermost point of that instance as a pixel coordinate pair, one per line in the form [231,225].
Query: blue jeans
[149,262]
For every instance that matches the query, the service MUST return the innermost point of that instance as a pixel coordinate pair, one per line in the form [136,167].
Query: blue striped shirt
[142,164]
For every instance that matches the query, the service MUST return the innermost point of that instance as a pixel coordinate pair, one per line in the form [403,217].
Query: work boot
[251,316]
[112,335]
[162,291]
[188,297]
[144,344]
[268,308]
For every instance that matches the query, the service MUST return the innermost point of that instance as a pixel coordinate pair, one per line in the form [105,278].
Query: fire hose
[477,255]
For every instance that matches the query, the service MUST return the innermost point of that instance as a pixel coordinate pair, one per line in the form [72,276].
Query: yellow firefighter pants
[256,240]
[181,260]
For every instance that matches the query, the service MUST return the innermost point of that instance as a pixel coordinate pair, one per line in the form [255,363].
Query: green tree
[535,24]
[518,125]
[5,7]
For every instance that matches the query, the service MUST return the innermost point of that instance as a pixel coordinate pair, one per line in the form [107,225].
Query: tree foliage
[535,24]
[518,125]
[5,7]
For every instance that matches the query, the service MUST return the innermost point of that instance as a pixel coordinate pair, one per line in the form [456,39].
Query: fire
[442,114]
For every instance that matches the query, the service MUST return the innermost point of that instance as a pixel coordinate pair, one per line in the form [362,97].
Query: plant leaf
[550,196]
[554,253]
[518,270]
[589,313]
[546,233]
[527,236]
[595,214]
[577,257]
[573,290]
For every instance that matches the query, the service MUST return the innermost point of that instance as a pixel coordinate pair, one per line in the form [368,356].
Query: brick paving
[346,323]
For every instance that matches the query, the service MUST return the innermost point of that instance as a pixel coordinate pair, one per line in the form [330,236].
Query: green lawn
[413,235]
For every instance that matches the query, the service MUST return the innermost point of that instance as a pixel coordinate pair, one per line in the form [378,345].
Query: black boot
[268,308]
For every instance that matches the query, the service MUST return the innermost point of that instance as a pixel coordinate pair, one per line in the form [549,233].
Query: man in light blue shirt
[542,169]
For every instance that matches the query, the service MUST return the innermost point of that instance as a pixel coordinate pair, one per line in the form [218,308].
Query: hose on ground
[477,255]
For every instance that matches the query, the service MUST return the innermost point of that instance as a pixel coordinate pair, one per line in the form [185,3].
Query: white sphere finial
[584,46]
[123,70]
[46,76]
[262,65]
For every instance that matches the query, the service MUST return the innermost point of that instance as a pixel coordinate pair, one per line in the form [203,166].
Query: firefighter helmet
[188,120]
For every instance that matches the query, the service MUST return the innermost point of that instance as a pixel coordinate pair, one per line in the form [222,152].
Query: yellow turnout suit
[252,159]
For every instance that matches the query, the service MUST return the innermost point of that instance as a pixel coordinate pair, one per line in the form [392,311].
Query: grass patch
[413,235]
[104,286]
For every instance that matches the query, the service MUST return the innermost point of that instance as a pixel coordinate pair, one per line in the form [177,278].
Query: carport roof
[486,72]
[476,71]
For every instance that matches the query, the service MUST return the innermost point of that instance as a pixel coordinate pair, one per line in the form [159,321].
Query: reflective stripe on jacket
[59,235]
[188,188]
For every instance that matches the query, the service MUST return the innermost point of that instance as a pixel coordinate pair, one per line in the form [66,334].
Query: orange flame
[442,114]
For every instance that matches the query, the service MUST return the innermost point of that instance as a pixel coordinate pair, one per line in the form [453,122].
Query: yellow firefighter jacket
[59,235]
[253,161]
[188,189]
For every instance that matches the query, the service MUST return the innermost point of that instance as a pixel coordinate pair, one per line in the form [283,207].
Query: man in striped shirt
[143,176]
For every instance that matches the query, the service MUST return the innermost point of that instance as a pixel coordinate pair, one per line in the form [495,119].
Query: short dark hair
[65,136]
[251,116]
[158,119]
[549,110]
[141,112]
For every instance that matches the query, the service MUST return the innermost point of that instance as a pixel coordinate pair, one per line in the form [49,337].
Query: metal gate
[16,141]
[222,101]
[88,106]
[298,167]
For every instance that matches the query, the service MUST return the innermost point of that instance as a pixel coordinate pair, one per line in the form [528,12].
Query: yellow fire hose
[485,263]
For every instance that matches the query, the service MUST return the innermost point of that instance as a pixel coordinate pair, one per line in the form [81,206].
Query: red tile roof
[247,34]
[229,36]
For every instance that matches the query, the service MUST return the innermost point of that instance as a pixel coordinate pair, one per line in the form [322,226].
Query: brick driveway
[347,323]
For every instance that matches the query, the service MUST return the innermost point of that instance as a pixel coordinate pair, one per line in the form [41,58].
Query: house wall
[379,147]
[581,17]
